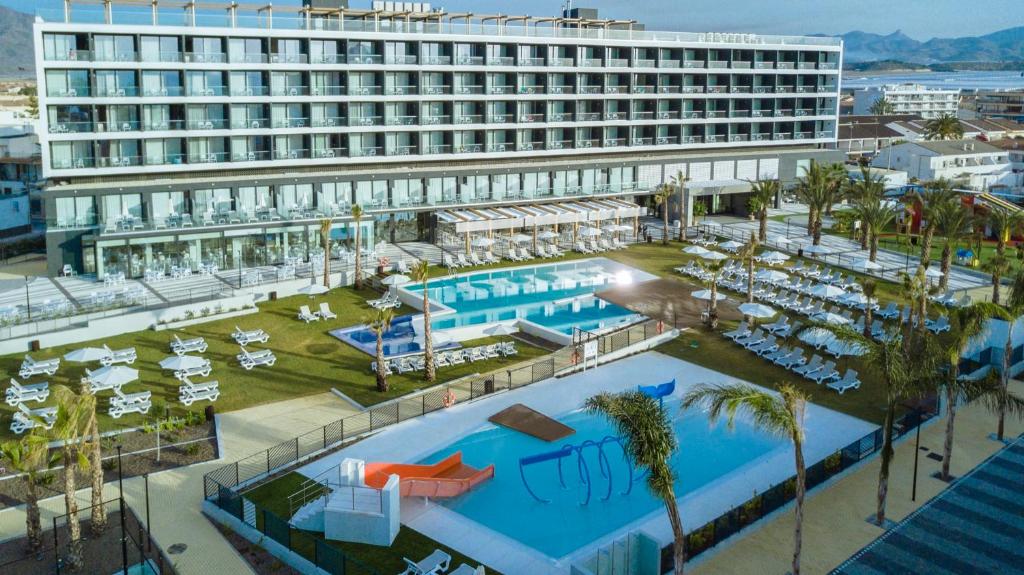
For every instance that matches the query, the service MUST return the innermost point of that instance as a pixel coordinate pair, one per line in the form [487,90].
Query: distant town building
[20,173]
[981,129]
[970,164]
[864,136]
[1005,105]
[908,99]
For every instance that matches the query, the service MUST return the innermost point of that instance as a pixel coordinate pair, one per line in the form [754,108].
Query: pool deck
[827,431]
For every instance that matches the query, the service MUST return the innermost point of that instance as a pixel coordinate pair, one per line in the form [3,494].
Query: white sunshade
[705,294]
[825,291]
[87,354]
[865,265]
[731,245]
[714,256]
[483,242]
[696,250]
[590,232]
[395,280]
[777,239]
[816,336]
[832,318]
[772,276]
[816,250]
[176,362]
[547,235]
[313,289]
[520,238]
[500,329]
[758,310]
[114,375]
[775,257]
[933,273]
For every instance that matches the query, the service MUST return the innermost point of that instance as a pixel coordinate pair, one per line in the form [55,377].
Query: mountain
[1002,46]
[16,59]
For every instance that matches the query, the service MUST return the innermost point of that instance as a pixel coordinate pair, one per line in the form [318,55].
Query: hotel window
[323,51]
[167,204]
[336,195]
[163,151]
[208,83]
[246,50]
[67,83]
[407,192]
[64,155]
[441,190]
[115,83]
[205,49]
[160,49]
[371,193]
[59,47]
[248,83]
[286,84]
[161,83]
[294,197]
[76,211]
[122,205]
[216,200]
[285,50]
[253,199]
[113,48]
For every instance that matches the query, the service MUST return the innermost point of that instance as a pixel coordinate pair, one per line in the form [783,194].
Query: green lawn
[386,560]
[309,361]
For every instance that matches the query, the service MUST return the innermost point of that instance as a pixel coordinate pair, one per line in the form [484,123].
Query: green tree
[72,413]
[945,127]
[91,446]
[421,273]
[818,188]
[32,108]
[780,414]
[932,199]
[661,197]
[357,216]
[379,323]
[875,215]
[714,269]
[649,440]
[746,255]
[762,197]
[869,286]
[27,457]
[679,181]
[325,244]
[955,222]
[882,107]
[862,194]
[997,266]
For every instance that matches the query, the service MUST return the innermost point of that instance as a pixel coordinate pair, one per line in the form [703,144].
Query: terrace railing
[563,361]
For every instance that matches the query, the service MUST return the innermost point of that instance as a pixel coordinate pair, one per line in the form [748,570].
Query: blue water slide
[660,391]
[582,468]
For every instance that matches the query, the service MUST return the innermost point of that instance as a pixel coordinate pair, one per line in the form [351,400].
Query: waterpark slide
[446,478]
[1012,207]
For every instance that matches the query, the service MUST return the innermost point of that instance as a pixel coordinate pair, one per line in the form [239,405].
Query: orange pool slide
[446,478]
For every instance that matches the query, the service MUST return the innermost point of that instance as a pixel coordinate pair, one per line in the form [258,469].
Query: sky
[919,19]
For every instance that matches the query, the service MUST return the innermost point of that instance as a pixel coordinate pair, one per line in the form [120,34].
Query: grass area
[409,543]
[309,361]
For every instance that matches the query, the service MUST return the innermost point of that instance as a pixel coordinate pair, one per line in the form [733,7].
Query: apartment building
[970,164]
[914,99]
[1001,105]
[226,136]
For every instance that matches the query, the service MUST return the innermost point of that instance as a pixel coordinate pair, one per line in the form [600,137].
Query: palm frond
[767,411]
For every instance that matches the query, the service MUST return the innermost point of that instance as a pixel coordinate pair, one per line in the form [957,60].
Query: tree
[746,255]
[679,181]
[27,457]
[700,209]
[863,193]
[379,323]
[955,222]
[649,440]
[868,287]
[661,197]
[932,199]
[32,108]
[780,414]
[968,322]
[762,196]
[714,269]
[1003,224]
[818,188]
[997,265]
[876,215]
[882,107]
[325,243]
[945,127]
[421,273]
[98,513]
[357,215]
[72,413]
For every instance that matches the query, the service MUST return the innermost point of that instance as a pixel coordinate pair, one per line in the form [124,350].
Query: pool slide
[446,478]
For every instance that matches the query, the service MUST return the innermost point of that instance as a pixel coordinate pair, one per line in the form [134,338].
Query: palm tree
[679,182]
[762,196]
[817,188]
[714,269]
[882,107]
[649,440]
[27,457]
[421,273]
[945,127]
[780,414]
[863,193]
[379,324]
[968,323]
[997,265]
[72,412]
[933,198]
[875,216]
[98,513]
[357,215]
[868,287]
[661,197]
[325,243]
[746,255]
[955,222]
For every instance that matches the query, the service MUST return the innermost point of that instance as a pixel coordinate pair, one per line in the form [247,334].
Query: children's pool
[556,296]
[568,520]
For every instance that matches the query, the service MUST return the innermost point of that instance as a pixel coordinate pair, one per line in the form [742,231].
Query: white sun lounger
[849,381]
[126,355]
[467,570]
[827,372]
[741,331]
[97,386]
[434,564]
[243,337]
[192,392]
[22,393]
[182,346]
[123,403]
[325,311]
[306,315]
[509,348]
[809,367]
[201,370]
[30,367]
[25,418]
[262,357]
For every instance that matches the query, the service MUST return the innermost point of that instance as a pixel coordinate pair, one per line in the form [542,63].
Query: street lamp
[120,497]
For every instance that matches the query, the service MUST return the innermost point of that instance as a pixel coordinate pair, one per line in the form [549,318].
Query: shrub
[192,449]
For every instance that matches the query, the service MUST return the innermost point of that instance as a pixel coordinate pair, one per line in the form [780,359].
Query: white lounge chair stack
[390,299]
[249,360]
[25,418]
[30,367]
[182,346]
[20,393]
[126,355]
[123,403]
[189,393]
[245,337]
[410,363]
[434,564]
[203,370]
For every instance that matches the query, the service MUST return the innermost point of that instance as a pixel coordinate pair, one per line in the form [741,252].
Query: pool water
[556,296]
[566,524]
[399,340]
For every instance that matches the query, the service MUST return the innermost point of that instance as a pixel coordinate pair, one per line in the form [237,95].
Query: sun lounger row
[182,346]
[189,393]
[24,392]
[307,316]
[597,246]
[412,363]
[30,367]
[950,299]
[390,300]
[123,403]
[25,418]
[250,359]
[245,337]
[765,344]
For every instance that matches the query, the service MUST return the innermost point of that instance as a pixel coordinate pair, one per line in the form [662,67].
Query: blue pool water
[564,525]
[398,340]
[540,294]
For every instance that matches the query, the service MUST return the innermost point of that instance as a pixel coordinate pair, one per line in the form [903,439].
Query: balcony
[782,89]
[616,115]
[70,127]
[436,60]
[208,158]
[693,89]
[403,150]
[469,89]
[781,136]
[282,58]
[328,122]
[535,89]
[531,118]
[718,64]
[588,143]
[742,89]
[741,64]
[807,65]
[616,89]
[530,146]
[567,62]
[401,90]
[71,56]
[118,92]
[590,62]
[119,161]
[401,59]
[436,120]
[692,114]
[250,91]
[588,116]
[764,89]
[739,114]
[561,89]
[764,137]
[501,147]
[365,121]
[590,89]
[644,89]
[434,149]
[506,89]
[206,57]
[669,89]
[783,112]
[327,59]
[471,60]
[763,113]
[366,59]
[290,91]
[500,118]
[436,90]
[327,91]
[806,89]
[250,123]
[764,65]
[469,149]
[532,61]
[645,63]
[693,64]
[401,120]
[642,116]
[208,124]
[785,65]
[560,117]
[249,58]
[803,112]
[291,123]
[501,61]
[718,89]
[366,152]
[617,62]
[665,140]
[330,152]
[803,135]
[692,139]
[290,154]
[207,91]
[668,114]
[365,90]
[669,64]
[824,135]
[641,141]
[716,138]
[828,66]
[469,119]
[72,163]
[69,93]
[712,114]
[739,137]
[165,159]
[559,144]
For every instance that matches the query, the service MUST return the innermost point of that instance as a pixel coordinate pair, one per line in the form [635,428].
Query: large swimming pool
[556,296]
[566,523]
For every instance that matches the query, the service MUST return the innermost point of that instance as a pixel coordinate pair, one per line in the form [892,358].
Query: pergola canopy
[509,217]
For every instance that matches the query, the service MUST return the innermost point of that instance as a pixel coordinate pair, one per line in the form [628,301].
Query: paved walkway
[835,525]
[176,495]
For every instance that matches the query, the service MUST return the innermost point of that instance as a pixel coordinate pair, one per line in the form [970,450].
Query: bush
[192,449]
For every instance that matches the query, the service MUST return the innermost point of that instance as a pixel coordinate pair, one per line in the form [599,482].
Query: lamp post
[120,497]
[149,534]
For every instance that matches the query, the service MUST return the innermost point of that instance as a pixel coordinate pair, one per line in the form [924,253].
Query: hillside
[1002,46]
[16,60]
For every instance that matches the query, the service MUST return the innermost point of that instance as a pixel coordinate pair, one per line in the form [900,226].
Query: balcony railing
[119,161]
[531,61]
[783,112]
[250,91]
[437,120]
[330,152]
[741,89]
[469,119]
[616,89]
[436,90]
[739,137]
[807,65]
[693,89]
[764,89]
[780,136]
[669,89]
[471,60]
[642,116]
[291,122]
[438,149]
[291,154]
[500,61]
[668,114]
[501,147]
[616,115]
[71,56]
[327,59]
[250,58]
[828,66]
[718,64]
[72,163]
[531,118]
[469,149]
[535,89]
[715,138]
[669,64]
[561,89]
[559,144]
[207,90]
[782,89]
[210,124]
[641,141]
[365,90]
[590,89]
[588,143]
[644,89]
[741,64]
[760,137]
[500,118]
[665,140]
[365,121]
[118,92]
[82,91]
[803,112]
[406,150]
[206,57]
[645,63]
[739,114]
[763,113]
[692,139]
[250,123]
[400,90]
[617,62]
[209,158]
[711,114]
[365,59]
[785,65]
[290,91]
[500,89]
[469,90]
[692,114]
[283,58]
[327,91]
[401,120]
[560,117]
[717,89]
[70,127]
[530,146]
[803,135]
[328,122]
[693,64]
[590,62]
[401,59]
[561,62]
[367,151]
[588,116]
[169,56]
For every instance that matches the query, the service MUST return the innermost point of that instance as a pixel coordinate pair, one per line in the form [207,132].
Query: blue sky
[921,19]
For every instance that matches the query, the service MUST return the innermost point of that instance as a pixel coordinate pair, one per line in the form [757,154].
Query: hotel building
[914,99]
[178,136]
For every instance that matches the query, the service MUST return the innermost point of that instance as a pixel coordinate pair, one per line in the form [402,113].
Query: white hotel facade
[226,136]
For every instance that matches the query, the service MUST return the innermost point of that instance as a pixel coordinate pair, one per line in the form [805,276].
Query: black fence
[731,522]
[310,547]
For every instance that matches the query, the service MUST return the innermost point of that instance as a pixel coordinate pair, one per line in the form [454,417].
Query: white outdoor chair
[22,393]
[189,392]
[848,381]
[126,355]
[249,360]
[181,347]
[200,370]
[243,337]
[306,315]
[325,311]
[25,418]
[30,367]
[434,564]
[123,403]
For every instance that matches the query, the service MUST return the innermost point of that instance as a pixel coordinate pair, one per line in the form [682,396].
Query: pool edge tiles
[828,430]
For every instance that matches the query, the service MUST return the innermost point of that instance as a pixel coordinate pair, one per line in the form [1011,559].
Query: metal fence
[731,522]
[278,457]
[310,547]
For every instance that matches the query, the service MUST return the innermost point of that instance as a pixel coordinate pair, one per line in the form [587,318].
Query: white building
[908,99]
[969,163]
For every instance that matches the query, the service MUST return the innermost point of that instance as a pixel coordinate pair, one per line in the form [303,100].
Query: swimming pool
[556,296]
[566,523]
[399,340]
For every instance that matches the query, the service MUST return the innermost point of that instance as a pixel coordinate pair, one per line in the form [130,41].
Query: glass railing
[561,89]
[742,89]
[717,89]
[668,114]
[669,63]
[469,149]
[327,59]
[718,64]
[531,146]
[531,89]
[781,136]
[250,58]
[118,161]
[401,120]
[500,60]
[741,64]
[616,89]
[469,90]
[501,147]
[760,137]
[69,93]
[469,119]
[711,114]
[590,62]
[367,151]
[764,89]
[365,90]
[828,66]
[594,143]
[208,91]
[764,65]
[739,137]
[436,90]
[170,56]
[803,112]
[500,89]
[641,141]
[436,60]
[116,126]
[290,91]
[715,138]
[561,62]
[250,123]
[209,158]
[739,114]
[105,56]
[118,92]
[436,120]
[327,91]
[70,127]
[785,89]
[401,90]
[72,163]
[764,113]
[531,118]
[590,89]
[366,59]
[471,60]
[531,61]
[365,121]
[665,140]
[669,89]
[693,64]
[559,144]
[692,114]
[163,91]
[617,62]
[692,139]
[644,89]
[500,118]
[328,122]
[807,65]
[284,58]
[693,89]
[803,135]
[588,116]
[291,122]
[785,65]
[250,156]
[616,115]
[401,59]
[407,150]
[438,149]
[291,154]
[783,112]
[645,63]
[560,117]
[71,56]
[330,152]
[205,57]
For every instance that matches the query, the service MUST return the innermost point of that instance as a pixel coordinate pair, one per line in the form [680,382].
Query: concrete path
[176,495]
[835,525]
